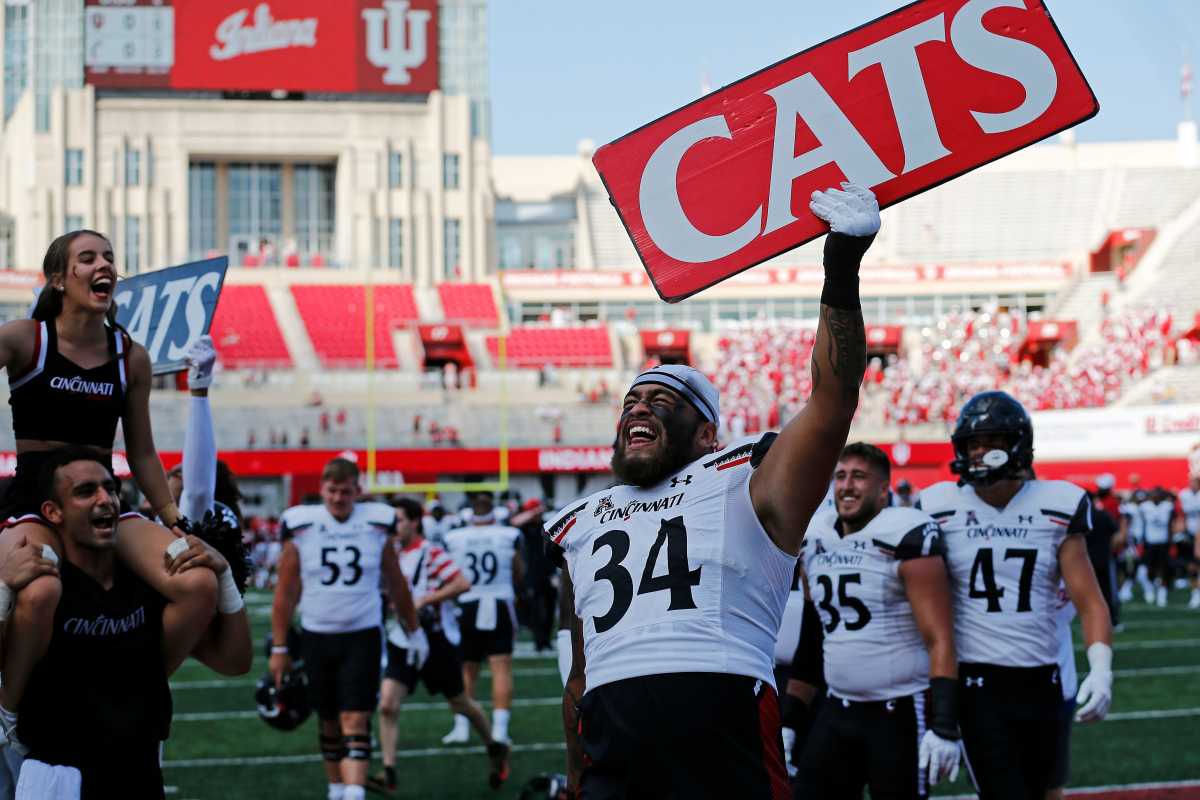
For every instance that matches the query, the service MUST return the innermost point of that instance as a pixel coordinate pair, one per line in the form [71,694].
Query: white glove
[201,357]
[939,757]
[789,744]
[418,648]
[852,210]
[1095,693]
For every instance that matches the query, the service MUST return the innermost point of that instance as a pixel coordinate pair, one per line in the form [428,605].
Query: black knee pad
[357,746]
[332,748]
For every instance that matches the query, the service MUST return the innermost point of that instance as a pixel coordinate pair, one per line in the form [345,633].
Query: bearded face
[656,437]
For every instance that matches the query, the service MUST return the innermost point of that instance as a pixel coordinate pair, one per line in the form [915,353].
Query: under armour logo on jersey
[757,687]
[971,518]
[686,480]
[859,545]
[975,682]
[1025,519]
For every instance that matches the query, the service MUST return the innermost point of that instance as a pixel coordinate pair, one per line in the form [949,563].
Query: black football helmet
[284,707]
[545,787]
[993,413]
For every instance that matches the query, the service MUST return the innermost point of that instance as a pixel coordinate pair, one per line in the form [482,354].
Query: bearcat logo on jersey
[605,504]
[78,385]
[739,455]
[638,507]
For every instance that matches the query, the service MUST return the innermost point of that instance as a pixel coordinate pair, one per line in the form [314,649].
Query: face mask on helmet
[994,465]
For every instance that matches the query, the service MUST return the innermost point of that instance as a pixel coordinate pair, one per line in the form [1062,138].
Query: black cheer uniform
[98,700]
[55,400]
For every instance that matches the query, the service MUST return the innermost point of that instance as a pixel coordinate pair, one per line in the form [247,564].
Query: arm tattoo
[847,351]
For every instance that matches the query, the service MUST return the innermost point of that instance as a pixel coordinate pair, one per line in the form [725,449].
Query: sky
[567,70]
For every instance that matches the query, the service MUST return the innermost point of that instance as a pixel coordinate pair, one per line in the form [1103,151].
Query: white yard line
[310,758]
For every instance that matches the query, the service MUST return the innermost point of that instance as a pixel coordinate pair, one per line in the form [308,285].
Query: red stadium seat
[335,318]
[560,347]
[469,303]
[244,330]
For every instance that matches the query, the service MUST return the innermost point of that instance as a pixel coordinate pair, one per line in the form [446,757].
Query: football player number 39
[678,579]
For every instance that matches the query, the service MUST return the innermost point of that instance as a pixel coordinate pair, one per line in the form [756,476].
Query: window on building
[16,55]
[133,245]
[57,49]
[314,209]
[395,170]
[133,167]
[255,212]
[202,209]
[450,171]
[73,222]
[451,253]
[396,243]
[73,167]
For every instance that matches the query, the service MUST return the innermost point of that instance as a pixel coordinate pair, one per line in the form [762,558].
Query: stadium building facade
[281,133]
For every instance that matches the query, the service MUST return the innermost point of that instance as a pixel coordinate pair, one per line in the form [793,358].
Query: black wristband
[843,254]
[795,713]
[943,693]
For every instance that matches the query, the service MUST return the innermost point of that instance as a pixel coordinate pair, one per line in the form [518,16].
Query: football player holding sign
[1008,541]
[885,644]
[680,574]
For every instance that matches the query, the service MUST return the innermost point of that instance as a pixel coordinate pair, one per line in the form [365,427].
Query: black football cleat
[498,772]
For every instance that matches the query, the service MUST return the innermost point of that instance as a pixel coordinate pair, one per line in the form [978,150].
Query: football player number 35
[678,579]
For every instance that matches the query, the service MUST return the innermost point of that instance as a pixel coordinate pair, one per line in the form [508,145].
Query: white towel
[41,781]
[485,617]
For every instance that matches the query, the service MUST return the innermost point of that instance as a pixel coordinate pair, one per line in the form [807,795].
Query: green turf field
[220,750]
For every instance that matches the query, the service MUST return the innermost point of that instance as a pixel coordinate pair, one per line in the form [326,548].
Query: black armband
[943,720]
[843,254]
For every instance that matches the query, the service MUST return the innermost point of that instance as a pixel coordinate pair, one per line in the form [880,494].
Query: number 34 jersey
[677,577]
[1004,567]
[873,650]
[340,564]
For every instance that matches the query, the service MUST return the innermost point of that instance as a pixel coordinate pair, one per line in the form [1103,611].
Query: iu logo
[686,480]
[406,34]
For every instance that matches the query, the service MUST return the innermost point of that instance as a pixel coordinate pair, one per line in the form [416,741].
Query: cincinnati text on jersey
[636,507]
[997,532]
[827,559]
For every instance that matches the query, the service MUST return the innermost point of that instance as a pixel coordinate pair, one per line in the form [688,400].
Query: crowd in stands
[763,373]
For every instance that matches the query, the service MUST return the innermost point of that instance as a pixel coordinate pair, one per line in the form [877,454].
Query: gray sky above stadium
[569,70]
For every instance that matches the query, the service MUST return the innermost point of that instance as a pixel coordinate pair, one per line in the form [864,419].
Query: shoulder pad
[559,526]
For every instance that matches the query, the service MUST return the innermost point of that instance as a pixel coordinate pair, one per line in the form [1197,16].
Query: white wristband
[566,654]
[6,601]
[1099,657]
[229,599]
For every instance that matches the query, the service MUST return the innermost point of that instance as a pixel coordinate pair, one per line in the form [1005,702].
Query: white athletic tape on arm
[49,554]
[177,548]
[6,601]
[229,599]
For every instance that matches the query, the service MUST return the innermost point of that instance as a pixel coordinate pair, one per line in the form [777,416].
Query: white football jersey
[793,619]
[873,650]
[1004,567]
[677,577]
[485,554]
[1137,521]
[340,565]
[1157,518]
[428,568]
[1189,503]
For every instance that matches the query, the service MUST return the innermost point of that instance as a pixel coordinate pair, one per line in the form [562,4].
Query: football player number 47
[678,579]
[984,570]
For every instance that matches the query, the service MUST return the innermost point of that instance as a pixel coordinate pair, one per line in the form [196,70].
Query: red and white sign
[262,45]
[902,104]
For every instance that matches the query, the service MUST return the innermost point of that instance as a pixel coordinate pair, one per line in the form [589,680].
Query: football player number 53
[349,563]
[678,579]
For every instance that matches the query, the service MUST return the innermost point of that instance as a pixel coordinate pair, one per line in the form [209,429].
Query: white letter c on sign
[662,212]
